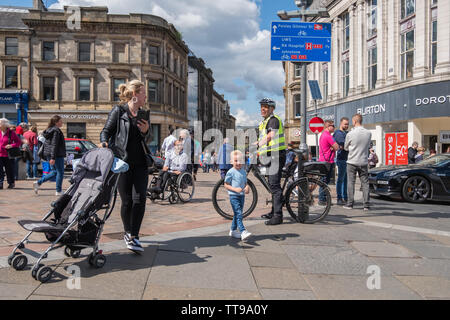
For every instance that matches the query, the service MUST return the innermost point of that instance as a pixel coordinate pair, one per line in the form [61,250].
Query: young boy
[236,184]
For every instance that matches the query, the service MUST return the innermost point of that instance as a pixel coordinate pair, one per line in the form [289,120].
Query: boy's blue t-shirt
[237,179]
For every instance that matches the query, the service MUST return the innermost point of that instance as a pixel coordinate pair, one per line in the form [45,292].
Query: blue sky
[232,36]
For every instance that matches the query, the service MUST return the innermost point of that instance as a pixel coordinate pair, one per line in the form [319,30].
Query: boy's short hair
[358,118]
[236,153]
[420,149]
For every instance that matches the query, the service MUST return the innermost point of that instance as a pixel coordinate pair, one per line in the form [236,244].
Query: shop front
[14,105]
[418,113]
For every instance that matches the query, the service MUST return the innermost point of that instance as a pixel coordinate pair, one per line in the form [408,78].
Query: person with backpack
[373,158]
[54,151]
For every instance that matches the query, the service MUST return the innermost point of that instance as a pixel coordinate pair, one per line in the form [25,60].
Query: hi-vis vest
[278,141]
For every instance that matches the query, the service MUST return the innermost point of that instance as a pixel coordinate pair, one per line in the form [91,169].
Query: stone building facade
[75,72]
[390,62]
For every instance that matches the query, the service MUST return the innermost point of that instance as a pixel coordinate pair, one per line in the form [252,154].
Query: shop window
[84,89]
[48,50]
[12,47]
[372,68]
[116,84]
[153,93]
[297,104]
[407,54]
[49,88]
[11,75]
[408,7]
[153,54]
[84,51]
[75,130]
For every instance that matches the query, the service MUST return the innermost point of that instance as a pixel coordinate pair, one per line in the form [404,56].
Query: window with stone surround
[297,105]
[372,68]
[84,89]
[324,82]
[153,54]
[119,54]
[345,31]
[153,92]
[433,36]
[48,50]
[48,87]
[407,8]
[12,47]
[407,54]
[11,77]
[297,70]
[116,83]
[84,51]
[345,77]
[372,19]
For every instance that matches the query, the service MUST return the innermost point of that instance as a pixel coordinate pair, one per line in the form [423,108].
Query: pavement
[395,251]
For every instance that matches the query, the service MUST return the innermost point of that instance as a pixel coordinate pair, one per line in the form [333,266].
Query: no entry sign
[316,125]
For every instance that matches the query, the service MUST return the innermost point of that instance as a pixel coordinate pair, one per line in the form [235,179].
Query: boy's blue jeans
[341,184]
[58,171]
[237,203]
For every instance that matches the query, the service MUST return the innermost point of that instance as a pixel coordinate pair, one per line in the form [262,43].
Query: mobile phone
[142,115]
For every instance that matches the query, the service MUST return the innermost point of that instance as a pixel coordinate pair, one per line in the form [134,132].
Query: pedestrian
[215,162]
[412,152]
[168,142]
[341,161]
[19,132]
[8,140]
[357,144]
[31,138]
[127,136]
[36,158]
[236,183]
[202,162]
[327,152]
[224,158]
[208,161]
[373,158]
[419,155]
[272,150]
[54,152]
[196,149]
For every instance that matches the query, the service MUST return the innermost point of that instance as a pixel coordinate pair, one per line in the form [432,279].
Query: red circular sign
[316,125]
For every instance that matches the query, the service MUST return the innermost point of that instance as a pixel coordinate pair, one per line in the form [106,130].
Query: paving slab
[158,292]
[279,278]
[428,249]
[113,281]
[441,239]
[280,294]
[428,287]
[383,249]
[268,259]
[327,260]
[10,291]
[413,267]
[342,287]
[179,269]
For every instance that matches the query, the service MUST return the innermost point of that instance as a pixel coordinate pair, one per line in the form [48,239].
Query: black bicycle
[306,197]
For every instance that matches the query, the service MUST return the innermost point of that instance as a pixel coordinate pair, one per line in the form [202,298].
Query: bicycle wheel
[186,187]
[221,200]
[316,204]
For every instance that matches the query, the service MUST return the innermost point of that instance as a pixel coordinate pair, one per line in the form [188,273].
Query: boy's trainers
[245,234]
[235,234]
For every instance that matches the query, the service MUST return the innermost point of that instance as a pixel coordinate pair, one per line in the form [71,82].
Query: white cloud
[225,33]
[245,119]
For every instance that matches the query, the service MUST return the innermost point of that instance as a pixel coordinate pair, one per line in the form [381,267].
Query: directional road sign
[316,125]
[300,41]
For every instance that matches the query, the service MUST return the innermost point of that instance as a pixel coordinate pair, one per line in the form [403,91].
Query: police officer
[272,152]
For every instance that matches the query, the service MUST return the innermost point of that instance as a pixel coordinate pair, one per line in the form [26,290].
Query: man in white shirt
[168,143]
[357,143]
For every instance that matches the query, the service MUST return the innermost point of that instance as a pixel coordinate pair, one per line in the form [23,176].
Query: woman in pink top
[327,151]
[8,139]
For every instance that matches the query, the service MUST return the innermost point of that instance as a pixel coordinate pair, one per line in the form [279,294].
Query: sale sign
[396,148]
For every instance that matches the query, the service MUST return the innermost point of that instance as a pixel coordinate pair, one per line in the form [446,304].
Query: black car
[75,149]
[426,180]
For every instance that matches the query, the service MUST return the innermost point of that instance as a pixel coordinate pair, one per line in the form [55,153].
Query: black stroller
[73,221]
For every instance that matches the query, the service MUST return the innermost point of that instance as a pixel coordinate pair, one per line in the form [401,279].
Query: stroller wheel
[19,262]
[44,274]
[99,261]
[35,270]
[11,257]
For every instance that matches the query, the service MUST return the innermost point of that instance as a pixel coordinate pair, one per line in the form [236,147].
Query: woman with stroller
[128,137]
[54,152]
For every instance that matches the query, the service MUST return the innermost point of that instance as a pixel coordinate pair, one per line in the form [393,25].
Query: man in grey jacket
[357,143]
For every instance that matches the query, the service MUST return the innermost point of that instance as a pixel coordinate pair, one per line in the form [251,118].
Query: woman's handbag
[14,152]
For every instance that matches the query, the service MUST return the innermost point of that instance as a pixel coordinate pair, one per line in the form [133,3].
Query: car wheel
[416,189]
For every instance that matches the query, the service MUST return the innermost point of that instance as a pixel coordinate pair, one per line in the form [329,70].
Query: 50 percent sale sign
[396,148]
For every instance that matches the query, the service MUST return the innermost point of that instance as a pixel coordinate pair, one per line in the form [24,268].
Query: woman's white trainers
[235,234]
[36,187]
[245,234]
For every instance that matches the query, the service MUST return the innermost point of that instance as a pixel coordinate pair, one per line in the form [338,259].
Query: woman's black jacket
[116,131]
[55,146]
